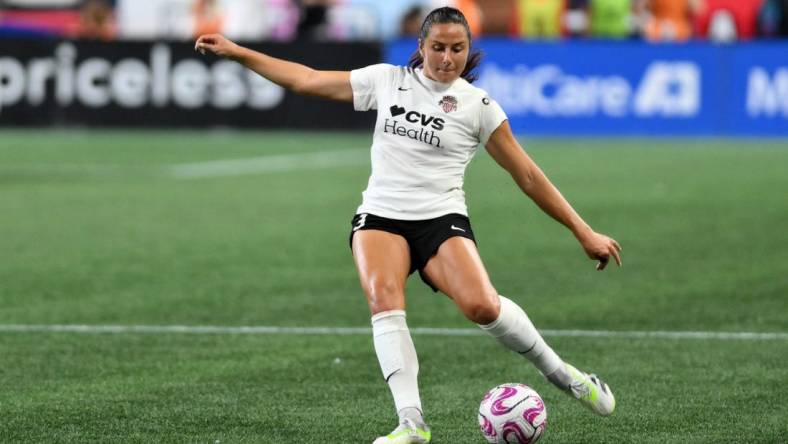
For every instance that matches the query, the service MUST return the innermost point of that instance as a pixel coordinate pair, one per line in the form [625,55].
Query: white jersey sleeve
[367,82]
[492,116]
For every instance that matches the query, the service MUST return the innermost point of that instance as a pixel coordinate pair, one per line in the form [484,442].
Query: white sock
[514,330]
[398,361]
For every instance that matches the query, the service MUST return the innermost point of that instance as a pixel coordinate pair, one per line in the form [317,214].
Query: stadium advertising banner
[165,84]
[620,88]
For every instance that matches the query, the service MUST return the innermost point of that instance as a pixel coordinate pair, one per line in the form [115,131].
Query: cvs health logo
[423,134]
[417,117]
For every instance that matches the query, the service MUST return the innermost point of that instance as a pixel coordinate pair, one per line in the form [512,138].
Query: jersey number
[361,221]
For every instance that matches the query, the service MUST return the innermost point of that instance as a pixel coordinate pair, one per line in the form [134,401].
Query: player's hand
[216,44]
[600,248]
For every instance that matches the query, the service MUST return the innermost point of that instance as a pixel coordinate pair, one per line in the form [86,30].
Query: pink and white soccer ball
[512,414]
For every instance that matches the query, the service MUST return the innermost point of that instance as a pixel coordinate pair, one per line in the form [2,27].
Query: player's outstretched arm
[334,85]
[504,148]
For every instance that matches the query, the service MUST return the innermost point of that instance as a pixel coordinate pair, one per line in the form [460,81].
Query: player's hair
[447,15]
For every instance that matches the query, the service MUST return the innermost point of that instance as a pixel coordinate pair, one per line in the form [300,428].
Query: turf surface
[97,231]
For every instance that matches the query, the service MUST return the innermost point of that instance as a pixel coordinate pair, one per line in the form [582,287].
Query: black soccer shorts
[424,237]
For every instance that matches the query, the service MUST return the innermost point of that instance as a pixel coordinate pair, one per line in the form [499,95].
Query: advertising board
[46,82]
[634,88]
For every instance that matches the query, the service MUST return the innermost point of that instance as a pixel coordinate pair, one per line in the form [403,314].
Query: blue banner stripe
[634,88]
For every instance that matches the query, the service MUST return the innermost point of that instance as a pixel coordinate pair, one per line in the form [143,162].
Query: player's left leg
[383,262]
[458,271]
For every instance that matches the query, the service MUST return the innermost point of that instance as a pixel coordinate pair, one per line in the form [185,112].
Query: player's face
[445,51]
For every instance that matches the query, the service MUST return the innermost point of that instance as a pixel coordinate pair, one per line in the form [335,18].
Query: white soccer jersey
[425,135]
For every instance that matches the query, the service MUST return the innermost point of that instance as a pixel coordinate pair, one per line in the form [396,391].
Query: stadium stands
[340,20]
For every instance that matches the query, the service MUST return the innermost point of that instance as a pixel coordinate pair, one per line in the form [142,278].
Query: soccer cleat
[591,391]
[408,432]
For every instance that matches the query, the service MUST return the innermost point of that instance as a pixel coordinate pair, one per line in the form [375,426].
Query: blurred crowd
[338,20]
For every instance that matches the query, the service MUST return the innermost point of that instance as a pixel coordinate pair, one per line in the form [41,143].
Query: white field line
[49,169]
[199,170]
[269,164]
[271,330]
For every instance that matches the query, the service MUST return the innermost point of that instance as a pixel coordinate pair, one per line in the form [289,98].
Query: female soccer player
[413,214]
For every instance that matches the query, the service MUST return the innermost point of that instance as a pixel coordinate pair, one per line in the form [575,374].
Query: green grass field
[98,228]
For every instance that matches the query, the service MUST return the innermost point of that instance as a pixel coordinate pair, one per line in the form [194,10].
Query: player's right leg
[383,263]
[515,330]
[457,271]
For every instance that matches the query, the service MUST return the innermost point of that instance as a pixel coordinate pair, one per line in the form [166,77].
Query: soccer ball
[512,414]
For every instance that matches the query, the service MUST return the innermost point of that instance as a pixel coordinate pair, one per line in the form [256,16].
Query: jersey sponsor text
[392,126]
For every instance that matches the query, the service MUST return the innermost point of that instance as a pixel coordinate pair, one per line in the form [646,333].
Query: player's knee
[384,294]
[483,308]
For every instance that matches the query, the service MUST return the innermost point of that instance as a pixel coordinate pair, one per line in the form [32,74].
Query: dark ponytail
[447,15]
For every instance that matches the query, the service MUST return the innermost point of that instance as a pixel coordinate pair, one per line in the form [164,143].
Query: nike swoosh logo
[403,89]
[457,228]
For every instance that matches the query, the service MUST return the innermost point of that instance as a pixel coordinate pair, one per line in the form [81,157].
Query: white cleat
[408,432]
[591,391]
